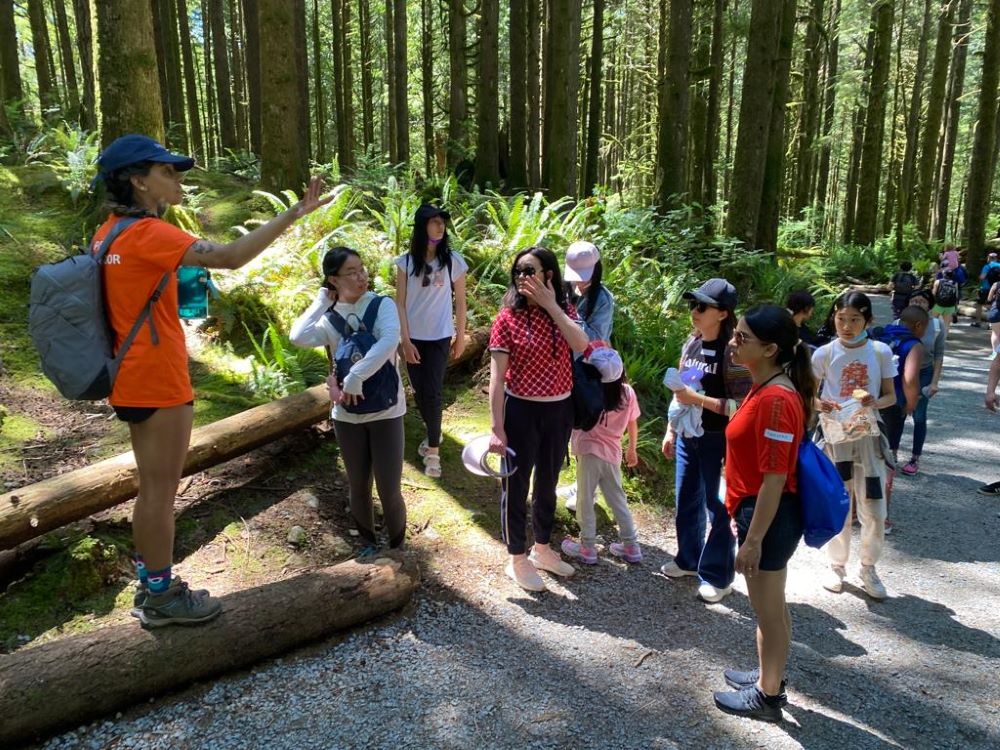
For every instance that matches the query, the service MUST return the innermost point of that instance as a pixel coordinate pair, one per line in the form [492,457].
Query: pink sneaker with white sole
[628,552]
[911,468]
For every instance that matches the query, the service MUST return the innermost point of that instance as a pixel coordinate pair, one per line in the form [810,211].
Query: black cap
[134,148]
[426,212]
[717,292]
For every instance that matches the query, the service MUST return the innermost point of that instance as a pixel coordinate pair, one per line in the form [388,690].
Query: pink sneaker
[586,555]
[911,468]
[629,552]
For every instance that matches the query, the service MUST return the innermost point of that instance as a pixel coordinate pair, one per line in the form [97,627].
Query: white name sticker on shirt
[708,352]
[781,437]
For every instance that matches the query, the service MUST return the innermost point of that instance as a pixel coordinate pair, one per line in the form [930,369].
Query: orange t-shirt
[150,375]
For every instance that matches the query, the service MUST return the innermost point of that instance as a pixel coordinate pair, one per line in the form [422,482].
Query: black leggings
[538,433]
[374,449]
[427,379]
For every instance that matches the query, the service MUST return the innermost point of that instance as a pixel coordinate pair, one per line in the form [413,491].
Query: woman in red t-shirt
[531,378]
[152,391]
[762,442]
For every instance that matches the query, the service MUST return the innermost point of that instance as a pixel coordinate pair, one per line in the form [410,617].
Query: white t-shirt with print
[429,309]
[839,370]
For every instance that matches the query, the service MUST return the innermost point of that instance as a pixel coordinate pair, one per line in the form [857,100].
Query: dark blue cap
[715,292]
[133,148]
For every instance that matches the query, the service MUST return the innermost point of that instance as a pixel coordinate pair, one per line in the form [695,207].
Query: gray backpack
[68,324]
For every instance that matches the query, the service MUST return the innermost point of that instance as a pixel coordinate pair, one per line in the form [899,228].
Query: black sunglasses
[694,304]
[526,271]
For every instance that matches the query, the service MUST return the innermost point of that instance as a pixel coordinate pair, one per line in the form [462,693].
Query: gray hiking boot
[178,605]
[142,591]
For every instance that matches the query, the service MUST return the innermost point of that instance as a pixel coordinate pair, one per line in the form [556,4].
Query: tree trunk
[251,21]
[487,96]
[857,141]
[672,167]
[223,84]
[427,81]
[318,87]
[871,150]
[955,88]
[41,685]
[596,86]
[809,113]
[770,199]
[534,88]
[983,145]
[904,208]
[48,97]
[236,64]
[717,54]
[829,107]
[302,77]
[517,175]
[336,47]
[730,107]
[211,103]
[367,89]
[85,47]
[755,121]
[156,7]
[562,82]
[399,80]
[390,79]
[458,112]
[177,122]
[11,88]
[284,161]
[62,27]
[347,62]
[190,78]
[932,123]
[130,92]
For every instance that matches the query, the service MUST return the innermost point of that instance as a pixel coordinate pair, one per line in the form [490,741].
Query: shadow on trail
[935,624]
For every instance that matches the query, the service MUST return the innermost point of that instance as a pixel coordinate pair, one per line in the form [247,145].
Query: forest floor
[616,656]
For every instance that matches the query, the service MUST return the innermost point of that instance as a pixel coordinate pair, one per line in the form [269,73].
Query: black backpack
[904,283]
[993,275]
[588,395]
[947,293]
[381,390]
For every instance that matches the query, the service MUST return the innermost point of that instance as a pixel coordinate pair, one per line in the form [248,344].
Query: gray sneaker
[178,605]
[142,591]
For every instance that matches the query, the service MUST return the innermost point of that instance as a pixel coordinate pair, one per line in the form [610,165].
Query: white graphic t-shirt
[429,309]
[839,370]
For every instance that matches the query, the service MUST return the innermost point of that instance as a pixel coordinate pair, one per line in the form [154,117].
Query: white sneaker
[673,570]
[709,593]
[569,493]
[524,575]
[551,562]
[872,584]
[833,579]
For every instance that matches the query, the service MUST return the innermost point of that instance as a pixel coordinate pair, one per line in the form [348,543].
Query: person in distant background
[802,305]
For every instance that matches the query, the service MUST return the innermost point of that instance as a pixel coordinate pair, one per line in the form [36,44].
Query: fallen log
[475,344]
[33,510]
[75,679]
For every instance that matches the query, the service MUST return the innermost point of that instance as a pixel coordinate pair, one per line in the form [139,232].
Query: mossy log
[75,679]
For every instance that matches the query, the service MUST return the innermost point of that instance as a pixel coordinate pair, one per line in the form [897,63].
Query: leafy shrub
[72,154]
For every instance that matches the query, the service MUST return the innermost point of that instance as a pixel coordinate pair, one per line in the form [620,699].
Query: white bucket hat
[581,257]
[476,454]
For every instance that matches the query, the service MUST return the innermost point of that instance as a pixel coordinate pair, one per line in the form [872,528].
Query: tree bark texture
[710,194]
[367,88]
[336,47]
[983,145]
[517,174]
[69,66]
[130,91]
[238,65]
[932,122]
[77,678]
[697,125]
[302,78]
[223,82]
[534,88]
[427,81]
[85,47]
[390,80]
[11,88]
[399,80]
[593,150]
[829,107]
[251,22]
[177,121]
[161,63]
[809,112]
[348,66]
[48,95]
[956,86]
[770,199]
[857,141]
[318,86]
[871,150]
[562,82]
[190,79]
[905,206]
[672,168]
[487,96]
[755,121]
[458,112]
[211,102]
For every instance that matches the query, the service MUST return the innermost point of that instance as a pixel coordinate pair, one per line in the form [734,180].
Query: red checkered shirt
[539,355]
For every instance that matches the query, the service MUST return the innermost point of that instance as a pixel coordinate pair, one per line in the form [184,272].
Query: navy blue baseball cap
[133,148]
[715,292]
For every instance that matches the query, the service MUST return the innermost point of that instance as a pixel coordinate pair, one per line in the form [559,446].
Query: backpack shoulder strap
[337,321]
[120,226]
[371,313]
[145,315]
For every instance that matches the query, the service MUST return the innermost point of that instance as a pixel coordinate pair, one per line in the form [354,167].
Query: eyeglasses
[357,274]
[525,271]
[694,304]
[741,338]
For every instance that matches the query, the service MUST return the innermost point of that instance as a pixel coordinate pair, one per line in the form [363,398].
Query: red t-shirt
[539,354]
[150,375]
[763,438]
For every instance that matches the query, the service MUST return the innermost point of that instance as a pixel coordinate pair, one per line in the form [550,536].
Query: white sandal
[432,465]
[422,448]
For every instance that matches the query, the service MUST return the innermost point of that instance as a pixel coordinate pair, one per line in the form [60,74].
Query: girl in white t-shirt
[851,363]
[428,278]
[598,453]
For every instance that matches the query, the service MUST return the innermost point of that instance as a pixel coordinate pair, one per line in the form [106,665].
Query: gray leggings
[374,449]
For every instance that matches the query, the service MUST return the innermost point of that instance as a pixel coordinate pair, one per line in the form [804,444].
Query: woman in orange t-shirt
[152,391]
[762,442]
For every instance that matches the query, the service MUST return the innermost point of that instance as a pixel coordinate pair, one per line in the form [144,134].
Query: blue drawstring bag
[824,498]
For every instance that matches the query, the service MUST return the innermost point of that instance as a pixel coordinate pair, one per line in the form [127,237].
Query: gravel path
[620,657]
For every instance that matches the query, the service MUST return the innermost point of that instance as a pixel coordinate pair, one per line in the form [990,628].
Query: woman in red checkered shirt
[531,379]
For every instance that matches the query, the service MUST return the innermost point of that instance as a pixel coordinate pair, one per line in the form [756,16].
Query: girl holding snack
[856,373]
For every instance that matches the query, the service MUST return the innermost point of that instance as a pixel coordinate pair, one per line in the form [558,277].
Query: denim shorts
[782,537]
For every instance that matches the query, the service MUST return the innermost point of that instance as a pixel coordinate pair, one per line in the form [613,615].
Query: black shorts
[782,537]
[137,414]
